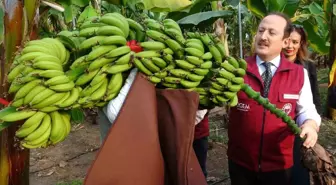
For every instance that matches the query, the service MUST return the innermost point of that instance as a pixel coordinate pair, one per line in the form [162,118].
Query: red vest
[202,128]
[258,140]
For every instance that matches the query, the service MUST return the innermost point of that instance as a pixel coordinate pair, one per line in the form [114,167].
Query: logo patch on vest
[287,108]
[243,107]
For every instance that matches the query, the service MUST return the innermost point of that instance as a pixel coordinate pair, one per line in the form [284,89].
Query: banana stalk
[266,104]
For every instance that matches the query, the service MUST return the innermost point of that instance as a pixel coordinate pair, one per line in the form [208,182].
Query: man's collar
[275,61]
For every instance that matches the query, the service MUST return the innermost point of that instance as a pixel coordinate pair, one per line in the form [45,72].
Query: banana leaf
[195,19]
[166,5]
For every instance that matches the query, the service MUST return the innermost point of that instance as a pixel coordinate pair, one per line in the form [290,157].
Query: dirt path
[71,159]
[67,161]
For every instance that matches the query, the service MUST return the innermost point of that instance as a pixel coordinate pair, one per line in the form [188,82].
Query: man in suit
[260,147]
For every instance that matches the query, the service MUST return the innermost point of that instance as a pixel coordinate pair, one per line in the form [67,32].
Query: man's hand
[309,129]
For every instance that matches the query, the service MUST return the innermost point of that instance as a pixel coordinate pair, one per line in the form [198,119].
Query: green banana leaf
[5,125]
[89,11]
[261,7]
[316,41]
[77,115]
[166,5]
[80,3]
[196,7]
[195,19]
[257,7]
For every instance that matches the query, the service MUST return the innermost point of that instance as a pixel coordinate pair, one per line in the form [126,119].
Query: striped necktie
[267,77]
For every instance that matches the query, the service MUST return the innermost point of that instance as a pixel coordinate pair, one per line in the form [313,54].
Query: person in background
[297,52]
[260,147]
[200,143]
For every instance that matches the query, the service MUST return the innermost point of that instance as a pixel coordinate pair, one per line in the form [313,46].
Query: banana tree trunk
[219,25]
[19,24]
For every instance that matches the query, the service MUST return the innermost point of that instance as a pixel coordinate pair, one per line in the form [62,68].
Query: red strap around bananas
[4,102]
[134,45]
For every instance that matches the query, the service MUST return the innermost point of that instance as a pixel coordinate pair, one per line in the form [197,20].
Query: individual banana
[206,65]
[150,65]
[195,45]
[100,76]
[74,95]
[125,59]
[217,86]
[100,62]
[184,64]
[47,65]
[91,42]
[57,80]
[100,51]
[227,66]
[159,62]
[86,77]
[110,31]
[33,93]
[119,68]
[194,60]
[233,101]
[156,35]
[115,83]
[88,32]
[233,61]
[42,96]
[161,74]
[153,45]
[206,56]
[78,62]
[179,73]
[172,80]
[154,79]
[200,71]
[242,63]
[234,87]
[42,129]
[215,53]
[15,72]
[115,22]
[23,91]
[215,91]
[238,80]
[226,74]
[141,67]
[57,127]
[118,51]
[100,92]
[189,84]
[114,40]
[194,77]
[147,54]
[18,115]
[49,100]
[17,103]
[63,87]
[194,52]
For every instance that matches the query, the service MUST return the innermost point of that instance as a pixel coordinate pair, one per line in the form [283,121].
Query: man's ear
[285,42]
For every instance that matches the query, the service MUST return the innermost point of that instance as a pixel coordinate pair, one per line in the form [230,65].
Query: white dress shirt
[305,107]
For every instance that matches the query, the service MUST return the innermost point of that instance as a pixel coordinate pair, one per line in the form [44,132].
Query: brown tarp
[150,142]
